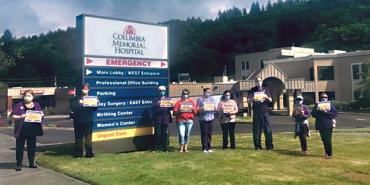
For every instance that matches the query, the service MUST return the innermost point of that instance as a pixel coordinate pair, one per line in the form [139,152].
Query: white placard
[107,37]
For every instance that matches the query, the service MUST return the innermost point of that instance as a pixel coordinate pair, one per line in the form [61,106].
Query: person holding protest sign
[260,97]
[325,112]
[301,114]
[27,116]
[82,109]
[161,115]
[206,107]
[185,111]
[228,110]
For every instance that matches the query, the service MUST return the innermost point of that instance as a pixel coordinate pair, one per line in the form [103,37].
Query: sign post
[124,62]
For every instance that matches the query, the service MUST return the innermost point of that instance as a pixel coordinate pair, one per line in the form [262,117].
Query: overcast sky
[29,17]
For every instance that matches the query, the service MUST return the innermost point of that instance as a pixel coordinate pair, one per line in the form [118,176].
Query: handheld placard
[33,116]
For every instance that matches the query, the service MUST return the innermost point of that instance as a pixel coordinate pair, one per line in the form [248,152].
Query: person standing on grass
[25,129]
[185,111]
[325,112]
[301,114]
[162,116]
[206,107]
[228,110]
[260,97]
[82,122]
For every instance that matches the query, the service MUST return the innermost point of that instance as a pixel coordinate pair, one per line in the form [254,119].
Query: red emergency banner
[121,62]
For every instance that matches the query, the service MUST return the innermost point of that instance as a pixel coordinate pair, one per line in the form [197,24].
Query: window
[245,65]
[312,78]
[262,64]
[359,71]
[356,72]
[325,72]
[244,78]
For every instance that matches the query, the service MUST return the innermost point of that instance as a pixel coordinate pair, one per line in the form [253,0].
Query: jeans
[326,134]
[184,128]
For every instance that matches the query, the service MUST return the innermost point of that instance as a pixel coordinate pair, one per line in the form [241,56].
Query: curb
[354,113]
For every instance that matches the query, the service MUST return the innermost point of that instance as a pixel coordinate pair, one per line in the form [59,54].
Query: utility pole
[55,81]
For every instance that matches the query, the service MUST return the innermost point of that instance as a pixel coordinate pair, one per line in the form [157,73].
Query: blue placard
[124,93]
[119,123]
[106,82]
[121,113]
[125,103]
[125,72]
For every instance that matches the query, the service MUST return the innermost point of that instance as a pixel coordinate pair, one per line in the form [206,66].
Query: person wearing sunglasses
[260,98]
[301,114]
[161,117]
[185,111]
[325,112]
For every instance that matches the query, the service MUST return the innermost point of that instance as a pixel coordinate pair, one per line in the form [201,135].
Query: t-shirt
[183,109]
[227,107]
[202,102]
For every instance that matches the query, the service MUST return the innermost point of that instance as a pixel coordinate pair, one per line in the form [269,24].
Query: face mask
[227,97]
[300,101]
[28,99]
[162,93]
[186,96]
[259,84]
[208,94]
[323,99]
[85,91]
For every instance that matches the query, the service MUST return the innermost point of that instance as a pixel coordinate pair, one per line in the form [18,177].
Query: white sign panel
[121,62]
[104,37]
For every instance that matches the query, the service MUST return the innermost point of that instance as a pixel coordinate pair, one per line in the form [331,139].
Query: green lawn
[284,165]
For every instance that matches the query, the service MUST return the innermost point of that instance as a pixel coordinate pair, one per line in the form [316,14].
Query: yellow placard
[258,96]
[186,107]
[33,116]
[166,102]
[324,106]
[122,133]
[90,101]
[209,106]
[229,108]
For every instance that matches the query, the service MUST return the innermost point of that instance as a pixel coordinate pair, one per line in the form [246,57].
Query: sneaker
[205,151]
[32,166]
[210,151]
[18,168]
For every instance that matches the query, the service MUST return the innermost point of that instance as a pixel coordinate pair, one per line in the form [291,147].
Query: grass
[284,165]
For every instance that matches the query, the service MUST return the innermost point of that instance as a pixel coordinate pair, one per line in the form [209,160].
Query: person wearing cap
[161,117]
[324,123]
[26,131]
[260,98]
[82,122]
[185,110]
[301,114]
[206,108]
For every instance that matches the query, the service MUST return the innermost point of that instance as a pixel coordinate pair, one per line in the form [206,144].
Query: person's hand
[81,101]
[22,116]
[302,112]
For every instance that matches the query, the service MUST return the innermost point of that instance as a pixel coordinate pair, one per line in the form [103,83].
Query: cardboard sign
[90,101]
[166,102]
[229,108]
[258,96]
[33,116]
[209,106]
[324,106]
[186,107]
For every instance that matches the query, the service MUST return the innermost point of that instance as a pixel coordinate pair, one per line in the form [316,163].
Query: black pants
[302,134]
[31,149]
[83,137]
[206,134]
[326,140]
[262,121]
[228,130]
[160,137]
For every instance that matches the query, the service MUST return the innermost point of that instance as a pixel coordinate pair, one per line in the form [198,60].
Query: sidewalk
[39,176]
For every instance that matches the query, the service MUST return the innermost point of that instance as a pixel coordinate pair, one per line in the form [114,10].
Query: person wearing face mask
[185,111]
[228,110]
[161,115]
[324,124]
[26,131]
[260,97]
[206,107]
[301,114]
[82,122]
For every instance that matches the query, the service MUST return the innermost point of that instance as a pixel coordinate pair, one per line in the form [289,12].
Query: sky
[32,17]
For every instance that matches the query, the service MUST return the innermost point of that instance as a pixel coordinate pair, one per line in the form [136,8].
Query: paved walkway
[39,176]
